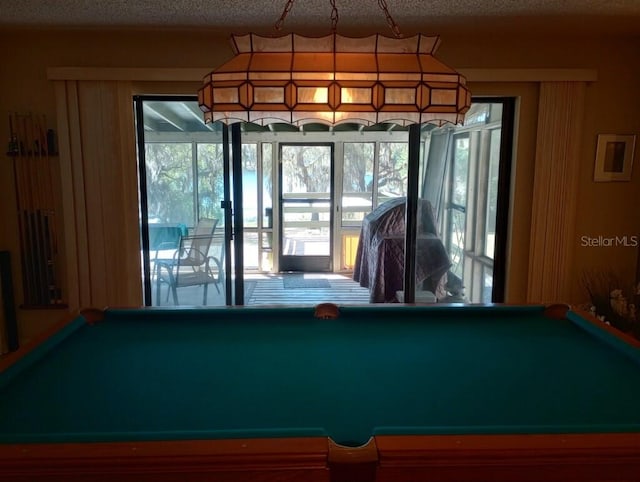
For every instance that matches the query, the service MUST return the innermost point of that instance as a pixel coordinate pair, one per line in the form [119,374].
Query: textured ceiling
[541,16]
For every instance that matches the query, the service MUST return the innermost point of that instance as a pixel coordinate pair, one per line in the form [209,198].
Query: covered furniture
[191,264]
[379,263]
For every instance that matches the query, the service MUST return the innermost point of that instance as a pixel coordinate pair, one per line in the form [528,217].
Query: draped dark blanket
[379,263]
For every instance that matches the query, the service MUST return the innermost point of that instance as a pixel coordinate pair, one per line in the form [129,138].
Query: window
[457,205]
[210,181]
[392,170]
[170,183]
[461,179]
[357,182]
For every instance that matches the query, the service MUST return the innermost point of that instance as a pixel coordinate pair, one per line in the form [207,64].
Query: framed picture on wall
[614,157]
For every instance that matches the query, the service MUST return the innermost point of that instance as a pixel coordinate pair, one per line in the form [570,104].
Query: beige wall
[608,209]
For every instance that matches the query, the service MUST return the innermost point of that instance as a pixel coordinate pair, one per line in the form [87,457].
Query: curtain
[559,137]
[99,193]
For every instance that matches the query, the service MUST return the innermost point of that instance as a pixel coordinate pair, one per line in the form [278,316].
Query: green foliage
[210,180]
[172,189]
[358,167]
[169,182]
[392,169]
[306,169]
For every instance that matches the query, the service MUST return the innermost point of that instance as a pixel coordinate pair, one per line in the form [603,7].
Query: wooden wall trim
[198,73]
[530,75]
[128,74]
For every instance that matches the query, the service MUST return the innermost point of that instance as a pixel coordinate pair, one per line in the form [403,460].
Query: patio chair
[191,264]
[216,253]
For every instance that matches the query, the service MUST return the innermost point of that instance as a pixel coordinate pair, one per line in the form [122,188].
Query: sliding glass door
[184,183]
[301,201]
[463,198]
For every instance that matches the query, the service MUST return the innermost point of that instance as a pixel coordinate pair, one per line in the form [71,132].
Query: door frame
[306,264]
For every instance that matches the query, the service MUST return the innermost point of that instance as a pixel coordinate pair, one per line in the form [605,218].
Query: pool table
[386,393]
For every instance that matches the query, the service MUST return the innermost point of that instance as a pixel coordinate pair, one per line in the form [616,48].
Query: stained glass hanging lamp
[334,79]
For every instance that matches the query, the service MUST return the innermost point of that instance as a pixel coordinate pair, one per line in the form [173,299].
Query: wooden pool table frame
[556,457]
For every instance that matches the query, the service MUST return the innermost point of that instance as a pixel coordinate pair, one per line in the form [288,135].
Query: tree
[210,180]
[358,167]
[169,182]
[392,169]
[306,168]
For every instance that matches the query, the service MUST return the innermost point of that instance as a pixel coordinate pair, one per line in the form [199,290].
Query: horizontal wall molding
[126,73]
[198,73]
[530,75]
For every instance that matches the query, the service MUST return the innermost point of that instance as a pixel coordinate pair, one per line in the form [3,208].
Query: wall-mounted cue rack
[31,147]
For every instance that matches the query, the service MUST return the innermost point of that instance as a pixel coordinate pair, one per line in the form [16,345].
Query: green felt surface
[181,374]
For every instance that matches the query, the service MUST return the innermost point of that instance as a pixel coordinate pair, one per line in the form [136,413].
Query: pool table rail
[386,458]
[556,457]
[32,350]
[159,461]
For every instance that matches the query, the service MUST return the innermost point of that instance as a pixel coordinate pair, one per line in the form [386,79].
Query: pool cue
[50,268]
[40,207]
[37,164]
[47,206]
[52,291]
[25,196]
[19,192]
[28,206]
[31,231]
[33,176]
[35,212]
[49,213]
[48,185]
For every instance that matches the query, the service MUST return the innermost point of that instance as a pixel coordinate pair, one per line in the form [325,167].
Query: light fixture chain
[392,24]
[334,16]
[287,9]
